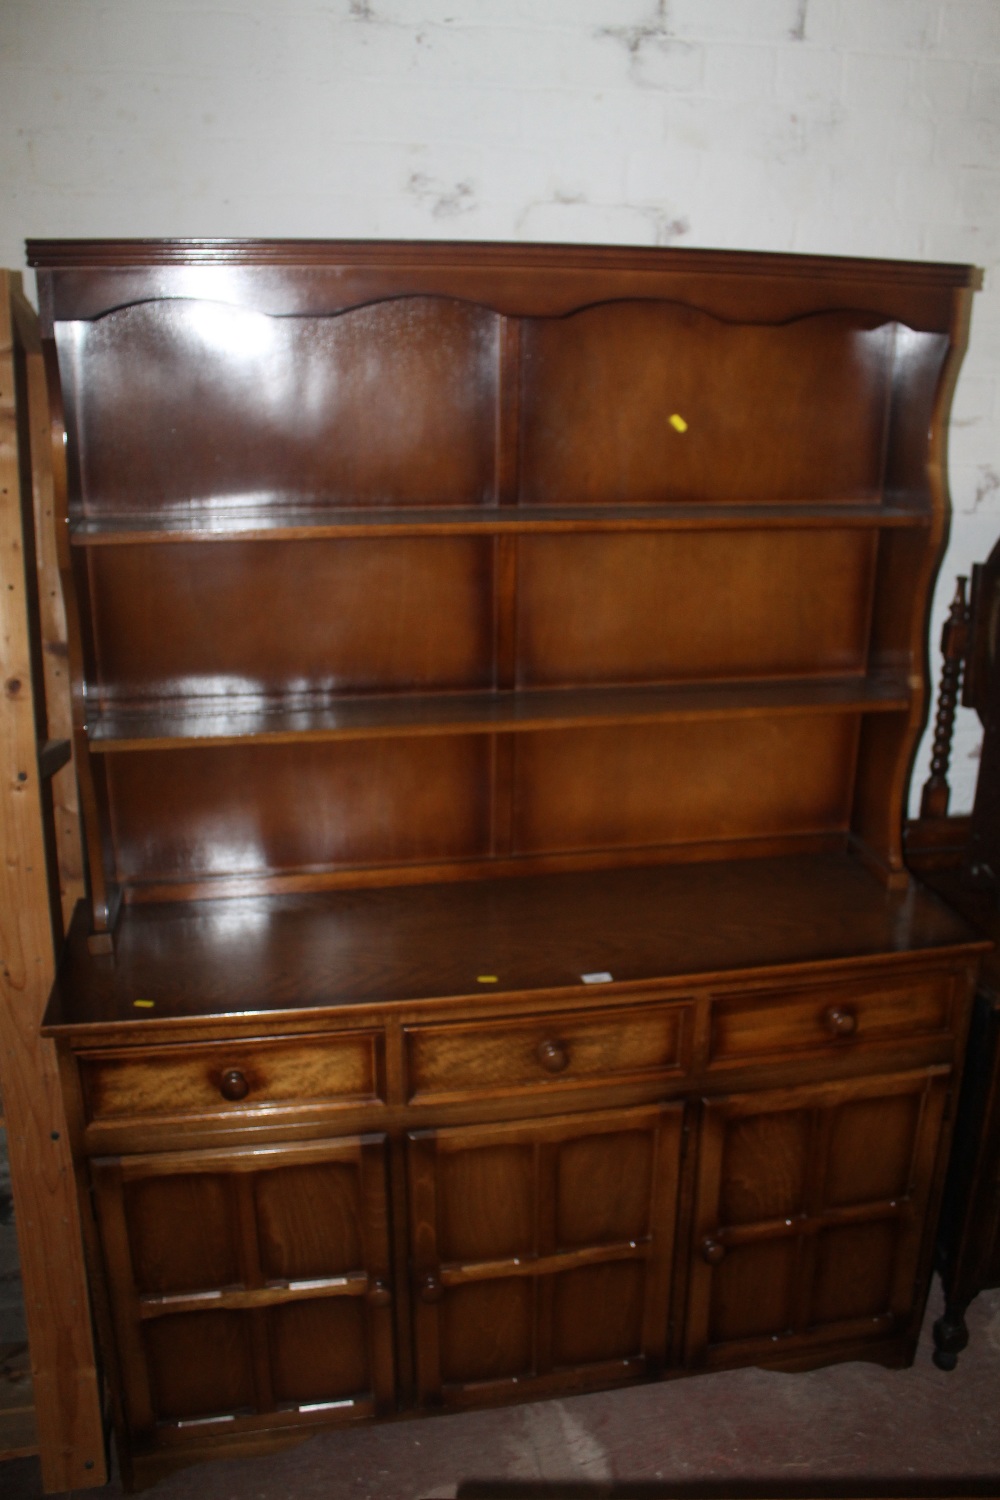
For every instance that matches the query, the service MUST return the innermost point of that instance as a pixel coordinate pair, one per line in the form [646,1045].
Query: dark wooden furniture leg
[964,871]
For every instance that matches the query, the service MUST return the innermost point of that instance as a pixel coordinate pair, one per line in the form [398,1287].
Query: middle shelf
[224,719]
[278,518]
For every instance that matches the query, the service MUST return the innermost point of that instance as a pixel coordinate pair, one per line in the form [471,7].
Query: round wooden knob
[233,1085]
[553,1057]
[379,1294]
[431,1289]
[713,1252]
[840,1021]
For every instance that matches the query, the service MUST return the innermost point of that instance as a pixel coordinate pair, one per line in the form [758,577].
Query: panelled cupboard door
[249,1288]
[542,1253]
[809,1215]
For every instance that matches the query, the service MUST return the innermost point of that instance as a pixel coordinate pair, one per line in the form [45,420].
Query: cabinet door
[809,1216]
[542,1253]
[249,1288]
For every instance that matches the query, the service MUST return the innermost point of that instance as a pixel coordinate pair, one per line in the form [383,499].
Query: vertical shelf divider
[505,558]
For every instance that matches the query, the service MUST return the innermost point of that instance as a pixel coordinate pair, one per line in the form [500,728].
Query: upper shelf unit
[405,562]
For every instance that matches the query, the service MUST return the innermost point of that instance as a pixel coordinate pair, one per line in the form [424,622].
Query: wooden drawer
[525,1054]
[343,1069]
[830,1016]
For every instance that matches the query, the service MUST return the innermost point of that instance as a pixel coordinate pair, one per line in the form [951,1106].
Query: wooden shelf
[662,923]
[191,721]
[278,521]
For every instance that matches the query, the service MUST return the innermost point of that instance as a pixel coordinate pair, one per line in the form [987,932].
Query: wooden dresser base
[447,1186]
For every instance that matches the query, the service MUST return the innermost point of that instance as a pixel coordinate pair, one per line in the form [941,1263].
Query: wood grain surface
[67,1404]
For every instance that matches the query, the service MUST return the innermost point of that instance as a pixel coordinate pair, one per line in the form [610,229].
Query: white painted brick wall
[862,127]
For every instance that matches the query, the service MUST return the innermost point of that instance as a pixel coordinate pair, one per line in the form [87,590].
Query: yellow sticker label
[486,979]
[678,423]
[144,1004]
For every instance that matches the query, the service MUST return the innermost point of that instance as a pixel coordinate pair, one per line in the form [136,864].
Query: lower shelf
[531,933]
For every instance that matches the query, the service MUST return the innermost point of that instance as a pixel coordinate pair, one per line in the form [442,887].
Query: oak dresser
[497,671]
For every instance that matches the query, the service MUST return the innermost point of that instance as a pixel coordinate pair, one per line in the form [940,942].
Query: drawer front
[830,1016]
[222,1076]
[507,1056]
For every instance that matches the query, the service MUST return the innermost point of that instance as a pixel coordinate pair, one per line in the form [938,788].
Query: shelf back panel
[293,616]
[178,402]
[664,784]
[656,607]
[261,620]
[204,813]
[241,810]
[646,401]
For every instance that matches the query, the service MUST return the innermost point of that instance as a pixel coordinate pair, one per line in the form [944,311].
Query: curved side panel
[924,384]
[98,855]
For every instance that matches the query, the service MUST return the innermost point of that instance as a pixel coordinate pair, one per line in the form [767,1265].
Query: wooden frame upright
[37,825]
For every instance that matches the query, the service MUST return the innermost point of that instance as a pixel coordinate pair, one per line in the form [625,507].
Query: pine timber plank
[67,1404]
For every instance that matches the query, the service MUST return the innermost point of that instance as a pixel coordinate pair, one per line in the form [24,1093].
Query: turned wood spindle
[954,645]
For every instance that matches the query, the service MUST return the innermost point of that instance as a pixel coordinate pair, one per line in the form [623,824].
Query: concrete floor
[853,1422]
